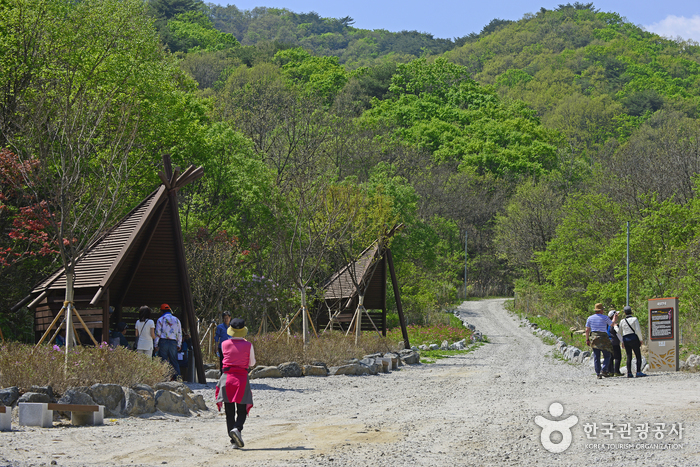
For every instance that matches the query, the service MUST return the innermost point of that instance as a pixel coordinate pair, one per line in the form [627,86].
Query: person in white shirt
[632,337]
[145,332]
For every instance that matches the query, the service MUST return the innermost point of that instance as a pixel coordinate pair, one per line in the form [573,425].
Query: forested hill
[535,140]
[590,74]
[323,36]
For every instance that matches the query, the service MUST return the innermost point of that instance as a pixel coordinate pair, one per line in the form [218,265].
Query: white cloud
[674,26]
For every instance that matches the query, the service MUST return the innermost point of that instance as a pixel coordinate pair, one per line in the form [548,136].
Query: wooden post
[188,306]
[397,295]
[105,316]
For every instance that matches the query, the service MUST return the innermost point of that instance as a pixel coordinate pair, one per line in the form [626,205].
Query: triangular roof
[109,255]
[341,286]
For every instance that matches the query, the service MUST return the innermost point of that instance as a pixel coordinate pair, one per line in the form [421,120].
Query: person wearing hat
[168,339]
[221,335]
[597,338]
[631,333]
[614,364]
[233,389]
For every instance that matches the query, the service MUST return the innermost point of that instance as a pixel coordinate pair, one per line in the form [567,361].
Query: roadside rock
[139,403]
[352,369]
[9,396]
[212,374]
[170,402]
[174,386]
[109,395]
[409,357]
[315,370]
[265,372]
[48,390]
[290,369]
[34,397]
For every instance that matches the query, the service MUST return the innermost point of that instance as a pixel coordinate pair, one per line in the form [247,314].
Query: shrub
[427,335]
[331,348]
[23,367]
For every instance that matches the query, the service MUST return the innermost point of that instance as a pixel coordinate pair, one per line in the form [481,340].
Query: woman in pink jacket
[233,388]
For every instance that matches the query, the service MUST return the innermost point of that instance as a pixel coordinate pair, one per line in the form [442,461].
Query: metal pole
[628,263]
[466,235]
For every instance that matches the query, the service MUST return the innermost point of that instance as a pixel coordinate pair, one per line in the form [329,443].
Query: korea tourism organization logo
[552,427]
[556,435]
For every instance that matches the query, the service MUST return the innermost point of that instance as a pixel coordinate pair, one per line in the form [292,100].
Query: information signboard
[661,324]
[663,334]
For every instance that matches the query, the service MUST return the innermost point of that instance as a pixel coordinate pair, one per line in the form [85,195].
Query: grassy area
[431,356]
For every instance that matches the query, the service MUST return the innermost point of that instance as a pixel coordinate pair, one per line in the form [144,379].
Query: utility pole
[466,236]
[628,263]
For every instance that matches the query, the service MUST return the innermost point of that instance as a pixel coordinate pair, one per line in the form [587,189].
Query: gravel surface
[474,409]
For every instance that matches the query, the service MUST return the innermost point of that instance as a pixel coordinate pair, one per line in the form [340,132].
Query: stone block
[6,419]
[35,414]
[88,418]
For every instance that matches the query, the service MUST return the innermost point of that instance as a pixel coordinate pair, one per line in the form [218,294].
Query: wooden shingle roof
[105,258]
[341,286]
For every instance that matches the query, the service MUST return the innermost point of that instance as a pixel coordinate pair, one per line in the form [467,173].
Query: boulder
[409,357]
[693,362]
[78,396]
[433,347]
[48,390]
[174,386]
[34,397]
[189,402]
[290,369]
[109,395]
[315,370]
[199,403]
[212,374]
[139,403]
[265,372]
[9,396]
[372,365]
[374,355]
[143,389]
[352,369]
[170,402]
[422,347]
[320,364]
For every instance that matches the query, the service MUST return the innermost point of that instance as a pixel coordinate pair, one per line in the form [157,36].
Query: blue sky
[449,19]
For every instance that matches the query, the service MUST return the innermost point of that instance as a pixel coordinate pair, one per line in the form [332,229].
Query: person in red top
[233,389]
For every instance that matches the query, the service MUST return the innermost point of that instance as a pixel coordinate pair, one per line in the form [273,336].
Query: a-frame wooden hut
[139,261]
[363,280]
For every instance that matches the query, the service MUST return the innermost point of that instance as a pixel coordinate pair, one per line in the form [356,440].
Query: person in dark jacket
[614,363]
[117,337]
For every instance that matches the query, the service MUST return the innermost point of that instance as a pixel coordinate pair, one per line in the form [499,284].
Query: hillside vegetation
[537,139]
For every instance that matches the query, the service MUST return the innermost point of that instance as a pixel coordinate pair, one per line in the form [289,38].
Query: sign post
[663,334]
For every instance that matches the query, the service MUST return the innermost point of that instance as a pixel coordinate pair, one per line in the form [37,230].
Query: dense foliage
[536,139]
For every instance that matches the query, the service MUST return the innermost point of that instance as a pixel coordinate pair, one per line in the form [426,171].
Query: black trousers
[637,353]
[231,420]
[614,366]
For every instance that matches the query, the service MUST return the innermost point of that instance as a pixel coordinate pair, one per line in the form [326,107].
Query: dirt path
[474,409]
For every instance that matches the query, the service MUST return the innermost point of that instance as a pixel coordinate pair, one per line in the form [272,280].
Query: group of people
[164,338]
[605,334]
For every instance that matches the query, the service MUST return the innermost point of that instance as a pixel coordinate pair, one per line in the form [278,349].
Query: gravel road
[473,409]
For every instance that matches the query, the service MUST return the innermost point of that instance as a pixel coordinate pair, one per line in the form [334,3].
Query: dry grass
[21,367]
[331,348]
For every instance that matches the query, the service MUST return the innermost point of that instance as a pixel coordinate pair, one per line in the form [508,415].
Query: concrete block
[35,414]
[387,365]
[88,418]
[6,419]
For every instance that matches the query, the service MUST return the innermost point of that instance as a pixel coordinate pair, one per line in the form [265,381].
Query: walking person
[597,338]
[631,333]
[614,365]
[233,388]
[145,332]
[168,339]
[221,335]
